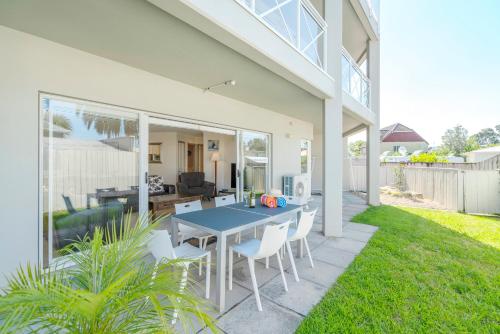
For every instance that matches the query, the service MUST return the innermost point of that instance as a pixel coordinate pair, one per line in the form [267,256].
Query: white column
[373,135]
[332,126]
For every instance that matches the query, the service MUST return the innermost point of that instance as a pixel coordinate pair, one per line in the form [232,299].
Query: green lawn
[423,271]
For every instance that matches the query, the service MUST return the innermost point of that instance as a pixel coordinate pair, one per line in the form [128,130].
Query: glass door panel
[255,162]
[90,174]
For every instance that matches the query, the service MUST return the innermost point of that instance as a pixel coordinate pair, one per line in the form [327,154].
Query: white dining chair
[188,232]
[299,234]
[161,248]
[224,200]
[273,239]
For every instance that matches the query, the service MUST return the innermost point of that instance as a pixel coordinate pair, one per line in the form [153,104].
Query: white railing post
[302,5]
[325,50]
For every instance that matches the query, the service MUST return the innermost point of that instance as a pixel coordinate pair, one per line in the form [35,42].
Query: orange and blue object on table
[272,201]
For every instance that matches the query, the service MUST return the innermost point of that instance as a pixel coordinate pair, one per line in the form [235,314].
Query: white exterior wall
[168,166]
[478,156]
[410,146]
[228,155]
[29,64]
[332,127]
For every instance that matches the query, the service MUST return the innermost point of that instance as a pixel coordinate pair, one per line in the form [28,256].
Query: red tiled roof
[403,137]
[397,132]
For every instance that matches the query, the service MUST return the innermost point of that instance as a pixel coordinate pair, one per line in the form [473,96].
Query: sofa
[156,187]
[194,183]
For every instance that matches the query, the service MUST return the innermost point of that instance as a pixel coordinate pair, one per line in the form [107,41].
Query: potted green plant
[110,287]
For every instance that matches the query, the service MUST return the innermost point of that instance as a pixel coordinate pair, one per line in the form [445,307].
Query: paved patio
[283,311]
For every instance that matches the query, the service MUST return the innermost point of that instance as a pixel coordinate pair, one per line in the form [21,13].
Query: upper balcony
[285,37]
[295,21]
[354,81]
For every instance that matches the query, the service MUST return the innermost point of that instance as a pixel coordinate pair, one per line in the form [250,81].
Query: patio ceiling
[138,34]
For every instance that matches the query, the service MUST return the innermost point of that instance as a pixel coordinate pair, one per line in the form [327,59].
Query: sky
[440,65]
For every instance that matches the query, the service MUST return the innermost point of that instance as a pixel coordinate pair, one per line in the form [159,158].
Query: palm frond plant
[110,286]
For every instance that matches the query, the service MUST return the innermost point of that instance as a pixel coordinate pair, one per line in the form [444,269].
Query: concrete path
[283,311]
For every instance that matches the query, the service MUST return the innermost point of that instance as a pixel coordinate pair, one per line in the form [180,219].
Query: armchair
[194,183]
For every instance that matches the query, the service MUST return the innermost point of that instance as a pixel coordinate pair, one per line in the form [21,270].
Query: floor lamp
[215,158]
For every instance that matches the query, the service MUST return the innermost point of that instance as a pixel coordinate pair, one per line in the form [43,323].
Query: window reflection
[256,161]
[90,170]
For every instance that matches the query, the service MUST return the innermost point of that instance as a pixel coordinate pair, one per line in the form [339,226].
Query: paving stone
[337,257]
[241,274]
[273,262]
[323,273]
[246,319]
[349,245]
[233,297]
[356,235]
[362,227]
[301,296]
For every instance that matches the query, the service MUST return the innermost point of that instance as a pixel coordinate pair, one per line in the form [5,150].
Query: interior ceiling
[162,128]
[354,36]
[349,123]
[141,35]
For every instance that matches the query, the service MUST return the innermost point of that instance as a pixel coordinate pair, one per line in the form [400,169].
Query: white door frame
[143,163]
[147,118]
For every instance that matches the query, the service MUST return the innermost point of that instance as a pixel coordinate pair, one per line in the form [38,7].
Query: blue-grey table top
[232,216]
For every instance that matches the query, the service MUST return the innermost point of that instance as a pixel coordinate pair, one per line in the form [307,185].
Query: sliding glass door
[255,162]
[89,169]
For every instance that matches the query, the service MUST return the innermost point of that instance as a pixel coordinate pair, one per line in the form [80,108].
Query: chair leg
[207,279]
[181,289]
[282,272]
[308,252]
[292,261]
[237,239]
[200,245]
[255,232]
[267,262]
[230,258]
[251,265]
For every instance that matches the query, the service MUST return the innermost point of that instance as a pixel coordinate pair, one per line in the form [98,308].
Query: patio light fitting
[225,83]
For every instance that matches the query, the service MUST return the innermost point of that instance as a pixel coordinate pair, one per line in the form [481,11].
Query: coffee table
[165,204]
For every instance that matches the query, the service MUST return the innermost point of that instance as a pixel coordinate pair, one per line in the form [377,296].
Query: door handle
[146,177]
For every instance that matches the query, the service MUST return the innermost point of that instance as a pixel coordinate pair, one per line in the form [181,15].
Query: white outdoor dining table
[224,221]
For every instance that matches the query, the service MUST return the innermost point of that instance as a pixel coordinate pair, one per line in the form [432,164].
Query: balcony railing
[374,8]
[354,81]
[297,22]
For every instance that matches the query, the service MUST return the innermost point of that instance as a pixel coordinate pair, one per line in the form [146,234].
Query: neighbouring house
[397,135]
[482,154]
[99,96]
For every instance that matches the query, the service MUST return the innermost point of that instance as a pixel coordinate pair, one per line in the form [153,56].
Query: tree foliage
[428,158]
[488,136]
[356,148]
[112,288]
[455,139]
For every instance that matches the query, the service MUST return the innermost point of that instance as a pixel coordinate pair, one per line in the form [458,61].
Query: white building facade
[296,76]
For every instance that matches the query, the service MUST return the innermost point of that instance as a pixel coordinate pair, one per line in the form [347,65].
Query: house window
[90,170]
[395,148]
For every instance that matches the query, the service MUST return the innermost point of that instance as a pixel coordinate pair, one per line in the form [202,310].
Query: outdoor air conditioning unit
[297,186]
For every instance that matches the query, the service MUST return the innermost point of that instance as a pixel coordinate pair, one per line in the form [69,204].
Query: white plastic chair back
[224,200]
[273,239]
[188,207]
[160,245]
[305,224]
